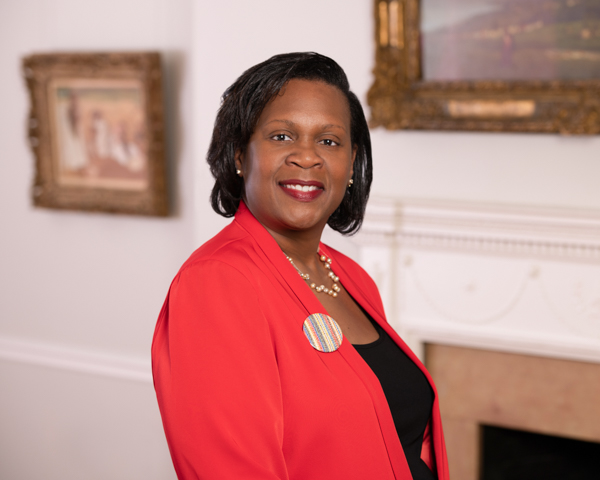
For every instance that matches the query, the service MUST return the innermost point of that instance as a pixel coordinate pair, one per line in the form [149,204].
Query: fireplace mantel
[521,280]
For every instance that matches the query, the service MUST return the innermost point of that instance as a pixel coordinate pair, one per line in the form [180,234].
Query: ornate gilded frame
[144,70]
[400,99]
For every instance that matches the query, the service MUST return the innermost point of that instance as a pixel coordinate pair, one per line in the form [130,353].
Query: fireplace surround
[536,394]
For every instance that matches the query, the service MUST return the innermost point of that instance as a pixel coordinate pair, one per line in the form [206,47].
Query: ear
[239,160]
[354,150]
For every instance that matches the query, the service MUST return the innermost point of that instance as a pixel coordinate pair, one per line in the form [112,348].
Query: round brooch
[323,332]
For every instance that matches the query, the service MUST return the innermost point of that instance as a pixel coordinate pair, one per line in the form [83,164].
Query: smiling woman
[272,357]
[299,160]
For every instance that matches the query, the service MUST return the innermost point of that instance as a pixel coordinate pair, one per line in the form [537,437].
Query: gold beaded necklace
[333,291]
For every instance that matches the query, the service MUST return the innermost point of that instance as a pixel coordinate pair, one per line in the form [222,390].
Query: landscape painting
[510,40]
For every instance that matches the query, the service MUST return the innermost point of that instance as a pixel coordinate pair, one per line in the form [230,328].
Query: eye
[281,137]
[329,142]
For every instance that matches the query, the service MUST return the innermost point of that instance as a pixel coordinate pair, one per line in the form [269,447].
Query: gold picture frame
[96,129]
[400,97]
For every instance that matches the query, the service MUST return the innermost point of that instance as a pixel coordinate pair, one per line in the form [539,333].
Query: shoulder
[215,283]
[228,253]
[228,240]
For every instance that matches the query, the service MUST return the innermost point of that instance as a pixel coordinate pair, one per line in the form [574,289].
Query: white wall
[516,169]
[94,283]
[76,284]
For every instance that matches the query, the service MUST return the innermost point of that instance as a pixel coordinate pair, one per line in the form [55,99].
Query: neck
[302,246]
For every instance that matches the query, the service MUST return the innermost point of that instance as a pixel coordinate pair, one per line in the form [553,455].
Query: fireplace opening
[517,455]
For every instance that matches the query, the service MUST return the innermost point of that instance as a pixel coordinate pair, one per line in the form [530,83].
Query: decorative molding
[506,306]
[510,230]
[63,358]
[574,234]
[540,344]
[506,245]
[525,280]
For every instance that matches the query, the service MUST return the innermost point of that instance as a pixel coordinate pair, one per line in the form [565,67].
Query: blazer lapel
[284,272]
[278,265]
[386,422]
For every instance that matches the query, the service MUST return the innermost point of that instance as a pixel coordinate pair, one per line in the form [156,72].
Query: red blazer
[243,394]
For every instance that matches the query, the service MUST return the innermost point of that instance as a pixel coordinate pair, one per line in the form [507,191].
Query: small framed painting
[96,130]
[491,65]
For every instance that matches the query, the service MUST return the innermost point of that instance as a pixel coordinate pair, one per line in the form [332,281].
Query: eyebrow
[289,123]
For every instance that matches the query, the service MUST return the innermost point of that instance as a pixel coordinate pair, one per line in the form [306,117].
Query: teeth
[301,188]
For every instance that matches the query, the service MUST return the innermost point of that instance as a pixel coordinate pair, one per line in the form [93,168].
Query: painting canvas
[510,39]
[100,133]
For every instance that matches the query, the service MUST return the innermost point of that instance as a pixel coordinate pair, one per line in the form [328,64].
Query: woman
[253,376]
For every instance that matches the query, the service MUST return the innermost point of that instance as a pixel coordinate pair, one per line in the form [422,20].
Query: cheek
[257,161]
[343,166]
[259,175]
[251,165]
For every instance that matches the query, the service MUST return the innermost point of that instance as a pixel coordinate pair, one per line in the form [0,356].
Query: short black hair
[243,103]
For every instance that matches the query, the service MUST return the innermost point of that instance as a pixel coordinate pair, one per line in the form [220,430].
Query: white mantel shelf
[521,280]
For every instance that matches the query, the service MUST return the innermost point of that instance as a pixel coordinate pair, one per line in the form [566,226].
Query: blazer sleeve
[216,377]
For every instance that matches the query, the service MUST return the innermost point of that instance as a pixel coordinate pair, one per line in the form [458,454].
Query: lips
[302,190]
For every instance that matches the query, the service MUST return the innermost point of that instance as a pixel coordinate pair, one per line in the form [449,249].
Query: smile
[301,190]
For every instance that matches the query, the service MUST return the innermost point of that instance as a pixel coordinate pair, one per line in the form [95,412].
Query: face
[299,160]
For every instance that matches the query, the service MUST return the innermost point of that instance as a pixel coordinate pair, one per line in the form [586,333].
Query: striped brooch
[323,332]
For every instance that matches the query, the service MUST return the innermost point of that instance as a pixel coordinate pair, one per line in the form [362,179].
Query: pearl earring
[239,172]
[350,182]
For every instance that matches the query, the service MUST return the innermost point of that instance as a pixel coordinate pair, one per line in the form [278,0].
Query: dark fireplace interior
[518,455]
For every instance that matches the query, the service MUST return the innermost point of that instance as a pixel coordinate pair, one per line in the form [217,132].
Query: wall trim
[572,234]
[75,360]
[550,346]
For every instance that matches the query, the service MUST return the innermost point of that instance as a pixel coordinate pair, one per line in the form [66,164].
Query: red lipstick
[302,190]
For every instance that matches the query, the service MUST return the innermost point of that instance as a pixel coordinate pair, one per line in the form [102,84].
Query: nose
[305,155]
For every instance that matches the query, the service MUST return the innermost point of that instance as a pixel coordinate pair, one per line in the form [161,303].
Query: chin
[305,220]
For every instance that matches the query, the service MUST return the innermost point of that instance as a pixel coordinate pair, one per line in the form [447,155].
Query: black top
[408,394]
